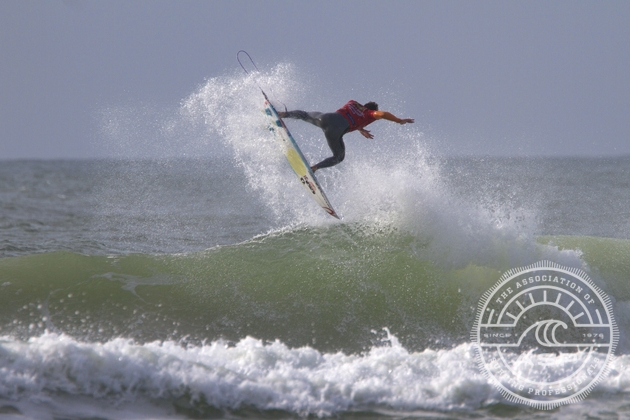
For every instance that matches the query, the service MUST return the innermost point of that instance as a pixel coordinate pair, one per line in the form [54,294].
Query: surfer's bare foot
[314,168]
[282,114]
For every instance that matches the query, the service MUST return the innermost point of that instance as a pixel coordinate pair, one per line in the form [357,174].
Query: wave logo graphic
[545,340]
[545,335]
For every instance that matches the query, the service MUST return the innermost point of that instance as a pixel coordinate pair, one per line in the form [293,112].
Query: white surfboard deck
[296,159]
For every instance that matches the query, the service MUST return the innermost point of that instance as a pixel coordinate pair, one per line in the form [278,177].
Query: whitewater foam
[267,376]
[252,373]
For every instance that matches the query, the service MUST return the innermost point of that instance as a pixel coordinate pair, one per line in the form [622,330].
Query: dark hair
[371,105]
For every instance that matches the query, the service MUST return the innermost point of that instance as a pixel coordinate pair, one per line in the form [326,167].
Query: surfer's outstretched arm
[384,115]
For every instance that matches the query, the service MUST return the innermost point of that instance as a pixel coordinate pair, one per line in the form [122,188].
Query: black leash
[247,72]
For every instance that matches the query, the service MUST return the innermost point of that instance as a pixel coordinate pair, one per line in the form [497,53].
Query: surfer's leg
[310,117]
[334,126]
[339,153]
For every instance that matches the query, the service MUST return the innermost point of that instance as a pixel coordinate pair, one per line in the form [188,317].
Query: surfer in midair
[351,117]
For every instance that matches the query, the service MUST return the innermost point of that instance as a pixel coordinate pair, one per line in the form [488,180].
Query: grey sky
[509,78]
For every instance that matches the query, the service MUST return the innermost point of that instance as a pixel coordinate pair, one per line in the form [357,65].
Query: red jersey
[357,115]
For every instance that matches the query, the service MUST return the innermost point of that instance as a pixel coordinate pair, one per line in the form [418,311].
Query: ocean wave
[328,288]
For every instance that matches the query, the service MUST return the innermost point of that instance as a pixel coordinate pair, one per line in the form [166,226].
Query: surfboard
[296,159]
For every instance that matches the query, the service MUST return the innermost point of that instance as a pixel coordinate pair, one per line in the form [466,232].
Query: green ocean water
[284,286]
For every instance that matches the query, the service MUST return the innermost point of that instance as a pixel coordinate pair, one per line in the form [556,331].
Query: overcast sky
[480,77]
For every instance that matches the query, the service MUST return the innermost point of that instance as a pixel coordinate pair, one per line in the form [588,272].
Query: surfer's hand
[366,133]
[406,120]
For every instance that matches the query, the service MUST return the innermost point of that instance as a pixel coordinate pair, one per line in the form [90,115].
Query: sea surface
[179,287]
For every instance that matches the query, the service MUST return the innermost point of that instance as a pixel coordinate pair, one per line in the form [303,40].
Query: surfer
[351,117]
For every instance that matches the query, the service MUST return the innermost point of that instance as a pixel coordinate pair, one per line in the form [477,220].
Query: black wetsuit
[334,126]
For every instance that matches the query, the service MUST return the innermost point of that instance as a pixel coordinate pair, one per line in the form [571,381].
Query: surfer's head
[371,105]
